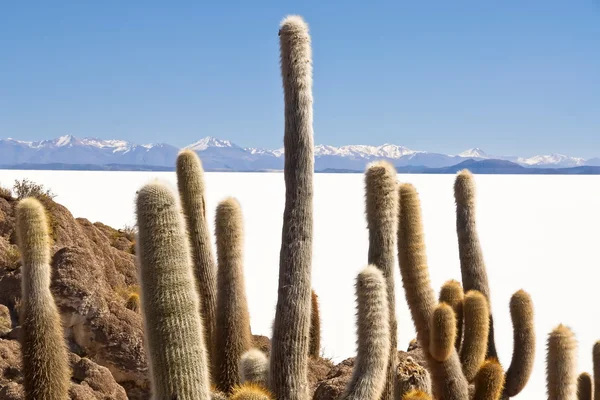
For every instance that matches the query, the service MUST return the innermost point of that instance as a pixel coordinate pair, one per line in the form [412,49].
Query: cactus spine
[416,395]
[453,295]
[190,182]
[46,371]
[477,324]
[289,357]
[315,327]
[584,387]
[232,335]
[172,324]
[381,189]
[561,364]
[250,391]
[369,374]
[254,367]
[448,379]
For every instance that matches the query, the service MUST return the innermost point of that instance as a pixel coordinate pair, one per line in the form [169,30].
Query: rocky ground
[93,280]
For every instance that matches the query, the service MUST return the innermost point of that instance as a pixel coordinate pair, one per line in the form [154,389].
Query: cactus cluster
[195,312]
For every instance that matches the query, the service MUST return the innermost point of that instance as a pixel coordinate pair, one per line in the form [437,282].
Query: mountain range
[69,152]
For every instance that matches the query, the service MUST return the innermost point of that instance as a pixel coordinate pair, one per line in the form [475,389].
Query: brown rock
[5,321]
[90,276]
[12,391]
[262,343]
[94,379]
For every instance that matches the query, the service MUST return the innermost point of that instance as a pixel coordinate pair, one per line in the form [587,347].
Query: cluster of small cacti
[195,312]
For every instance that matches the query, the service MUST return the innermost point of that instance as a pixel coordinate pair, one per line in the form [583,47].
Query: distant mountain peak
[474,153]
[209,141]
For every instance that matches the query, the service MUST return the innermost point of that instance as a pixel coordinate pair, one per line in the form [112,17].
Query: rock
[262,343]
[94,379]
[12,391]
[91,272]
[5,321]
[89,380]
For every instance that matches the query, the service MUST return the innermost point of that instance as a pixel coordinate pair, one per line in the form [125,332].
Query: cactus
[596,366]
[289,357]
[416,395]
[453,295]
[46,371]
[254,367]
[474,276]
[314,349]
[190,182]
[250,391]
[381,198]
[232,334]
[521,366]
[472,265]
[173,328]
[489,381]
[561,364]
[443,332]
[370,369]
[477,323]
[448,379]
[584,386]
[133,302]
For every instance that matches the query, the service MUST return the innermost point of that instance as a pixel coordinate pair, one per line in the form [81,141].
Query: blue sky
[512,77]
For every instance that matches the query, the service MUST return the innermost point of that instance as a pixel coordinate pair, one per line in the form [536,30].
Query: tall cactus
[172,324]
[448,379]
[453,295]
[477,324]
[561,364]
[472,265]
[369,375]
[190,182]
[232,335]
[289,357]
[489,381]
[46,369]
[474,276]
[381,196]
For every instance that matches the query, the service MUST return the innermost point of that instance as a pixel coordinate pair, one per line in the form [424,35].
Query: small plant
[13,257]
[26,188]
[133,302]
[5,193]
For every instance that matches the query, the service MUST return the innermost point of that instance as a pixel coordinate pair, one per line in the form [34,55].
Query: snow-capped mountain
[219,154]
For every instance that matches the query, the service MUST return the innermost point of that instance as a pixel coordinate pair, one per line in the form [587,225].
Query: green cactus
[190,182]
[443,332]
[584,387]
[477,324]
[254,367]
[370,368]
[232,335]
[453,295]
[381,198]
[474,276]
[489,381]
[561,364]
[46,371]
[289,355]
[314,349]
[173,327]
[448,379]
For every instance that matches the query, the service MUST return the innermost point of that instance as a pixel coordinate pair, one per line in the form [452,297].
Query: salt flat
[539,233]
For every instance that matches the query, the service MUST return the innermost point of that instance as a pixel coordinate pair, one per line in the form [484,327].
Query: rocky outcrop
[93,272]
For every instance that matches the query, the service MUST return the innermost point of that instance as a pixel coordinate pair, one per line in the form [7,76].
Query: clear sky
[512,77]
